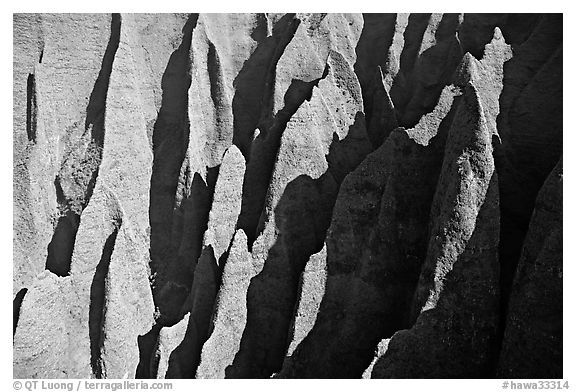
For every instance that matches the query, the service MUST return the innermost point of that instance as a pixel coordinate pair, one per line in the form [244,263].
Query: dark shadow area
[170,142]
[146,346]
[185,358]
[400,91]
[372,52]
[530,127]
[533,338]
[375,250]
[513,226]
[95,111]
[190,221]
[519,27]
[265,147]
[477,30]
[16,305]
[184,194]
[417,24]
[456,339]
[254,84]
[171,289]
[302,217]
[97,301]
[416,92]
[61,247]
[31,108]
[433,70]
[422,76]
[305,204]
[382,114]
[217,88]
[76,179]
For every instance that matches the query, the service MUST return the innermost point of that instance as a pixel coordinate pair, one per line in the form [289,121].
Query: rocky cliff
[287,195]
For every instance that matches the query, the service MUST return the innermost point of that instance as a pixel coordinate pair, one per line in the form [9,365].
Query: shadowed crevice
[381,216]
[61,247]
[76,179]
[372,52]
[216,77]
[185,358]
[253,93]
[31,108]
[530,138]
[169,205]
[417,24]
[170,142]
[97,300]
[424,73]
[16,305]
[172,287]
[302,218]
[265,148]
[95,112]
[146,347]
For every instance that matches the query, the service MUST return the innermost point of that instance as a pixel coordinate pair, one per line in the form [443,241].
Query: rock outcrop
[287,195]
[534,319]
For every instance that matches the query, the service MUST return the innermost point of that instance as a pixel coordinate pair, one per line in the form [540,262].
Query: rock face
[287,195]
[534,322]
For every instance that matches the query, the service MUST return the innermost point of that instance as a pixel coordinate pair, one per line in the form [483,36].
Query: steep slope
[534,321]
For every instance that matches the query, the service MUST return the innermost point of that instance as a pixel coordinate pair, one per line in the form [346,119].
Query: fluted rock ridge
[287,195]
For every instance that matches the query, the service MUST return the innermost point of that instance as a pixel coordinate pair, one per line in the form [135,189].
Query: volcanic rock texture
[289,196]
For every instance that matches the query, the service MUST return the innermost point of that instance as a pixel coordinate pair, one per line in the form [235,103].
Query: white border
[6,165]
